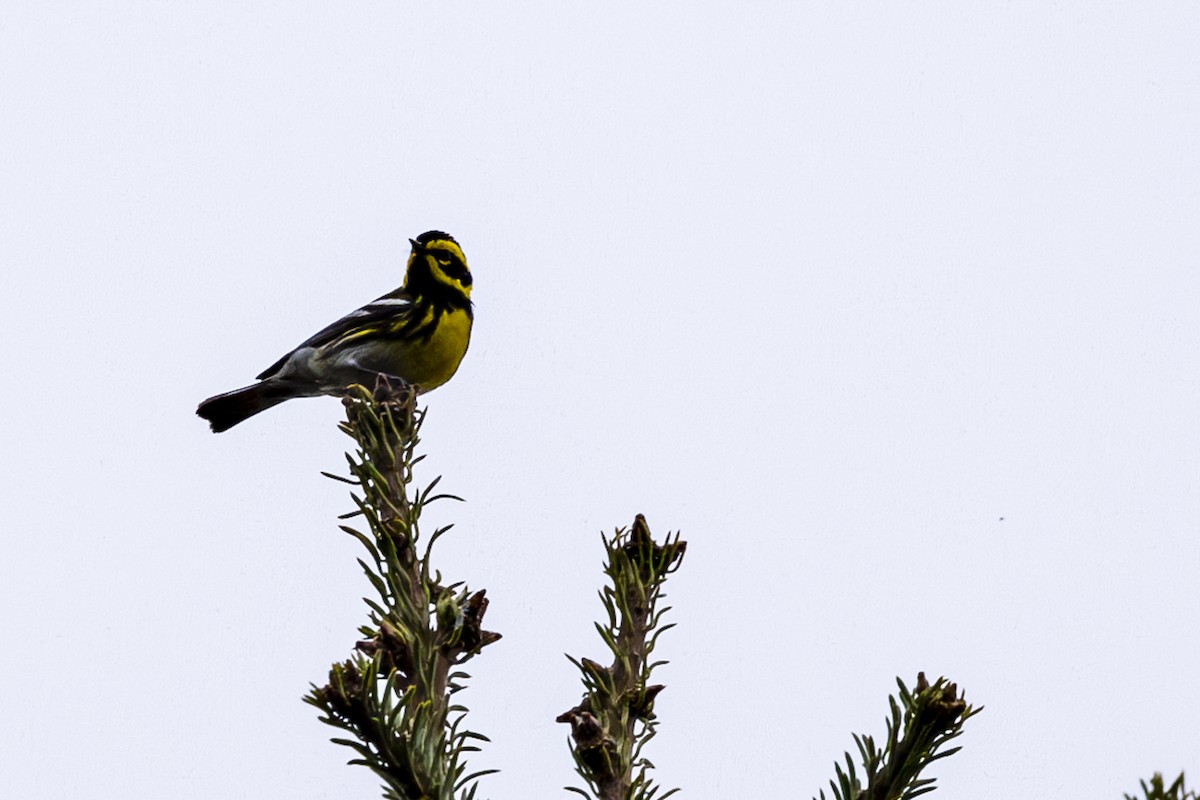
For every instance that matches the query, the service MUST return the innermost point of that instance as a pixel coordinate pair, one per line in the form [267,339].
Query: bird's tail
[226,410]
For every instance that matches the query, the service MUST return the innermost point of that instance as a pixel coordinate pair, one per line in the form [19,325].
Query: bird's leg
[386,385]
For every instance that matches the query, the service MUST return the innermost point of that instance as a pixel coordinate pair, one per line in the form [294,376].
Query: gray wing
[392,306]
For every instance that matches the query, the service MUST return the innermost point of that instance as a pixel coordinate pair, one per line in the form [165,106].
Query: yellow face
[439,258]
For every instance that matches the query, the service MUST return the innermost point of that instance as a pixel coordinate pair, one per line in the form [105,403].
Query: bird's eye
[455,270]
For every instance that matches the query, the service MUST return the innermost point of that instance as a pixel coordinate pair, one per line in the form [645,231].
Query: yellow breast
[434,360]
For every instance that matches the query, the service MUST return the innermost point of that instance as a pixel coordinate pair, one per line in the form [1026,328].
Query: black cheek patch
[456,270]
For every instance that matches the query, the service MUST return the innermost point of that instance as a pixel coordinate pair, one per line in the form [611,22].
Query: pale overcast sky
[890,308]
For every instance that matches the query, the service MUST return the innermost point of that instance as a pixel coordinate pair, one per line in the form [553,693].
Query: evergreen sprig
[615,720]
[393,694]
[920,724]
[1158,790]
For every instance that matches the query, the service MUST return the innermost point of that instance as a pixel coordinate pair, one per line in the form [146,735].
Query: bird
[416,335]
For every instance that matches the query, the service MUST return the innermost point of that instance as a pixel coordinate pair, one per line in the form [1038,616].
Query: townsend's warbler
[416,334]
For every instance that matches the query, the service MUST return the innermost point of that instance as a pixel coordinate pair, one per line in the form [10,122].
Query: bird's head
[438,267]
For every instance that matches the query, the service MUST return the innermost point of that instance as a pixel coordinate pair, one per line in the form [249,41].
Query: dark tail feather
[226,410]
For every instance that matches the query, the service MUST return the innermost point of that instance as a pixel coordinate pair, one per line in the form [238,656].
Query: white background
[893,311]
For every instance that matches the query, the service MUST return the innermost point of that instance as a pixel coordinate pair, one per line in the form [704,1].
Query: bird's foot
[387,387]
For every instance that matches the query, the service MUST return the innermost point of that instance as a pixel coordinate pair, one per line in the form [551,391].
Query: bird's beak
[416,245]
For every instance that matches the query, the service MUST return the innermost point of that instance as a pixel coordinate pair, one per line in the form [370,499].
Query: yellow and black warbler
[416,334]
